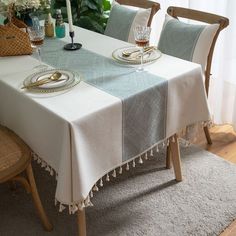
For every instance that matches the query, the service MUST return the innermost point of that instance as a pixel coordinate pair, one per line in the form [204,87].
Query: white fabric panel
[186,94]
[141,18]
[203,45]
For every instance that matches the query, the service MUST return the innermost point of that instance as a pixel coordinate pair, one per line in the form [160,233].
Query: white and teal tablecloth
[108,123]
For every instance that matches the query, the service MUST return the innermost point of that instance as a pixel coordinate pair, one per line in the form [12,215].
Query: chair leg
[168,158]
[175,154]
[23,182]
[207,134]
[81,222]
[38,204]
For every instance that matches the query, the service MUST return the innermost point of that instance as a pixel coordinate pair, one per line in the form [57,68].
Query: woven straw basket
[14,39]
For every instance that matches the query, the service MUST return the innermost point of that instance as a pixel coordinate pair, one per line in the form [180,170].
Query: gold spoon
[54,77]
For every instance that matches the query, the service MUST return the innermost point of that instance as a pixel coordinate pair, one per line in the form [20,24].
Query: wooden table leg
[175,155]
[81,222]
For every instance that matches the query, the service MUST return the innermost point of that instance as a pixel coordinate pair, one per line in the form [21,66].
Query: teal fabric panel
[120,22]
[1,19]
[143,95]
[179,39]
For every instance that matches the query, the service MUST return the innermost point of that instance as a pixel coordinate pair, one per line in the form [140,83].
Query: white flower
[7,2]
[27,4]
[21,4]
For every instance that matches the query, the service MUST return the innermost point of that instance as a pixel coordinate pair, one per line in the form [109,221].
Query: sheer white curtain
[222,96]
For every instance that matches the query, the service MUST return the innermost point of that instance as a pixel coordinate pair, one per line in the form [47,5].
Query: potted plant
[89,14]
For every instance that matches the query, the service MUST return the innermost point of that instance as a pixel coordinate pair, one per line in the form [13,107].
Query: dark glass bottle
[59,25]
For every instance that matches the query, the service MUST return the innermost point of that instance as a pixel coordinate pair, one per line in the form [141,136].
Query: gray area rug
[145,201]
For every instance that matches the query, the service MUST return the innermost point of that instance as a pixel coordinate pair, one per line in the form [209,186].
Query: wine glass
[141,36]
[36,34]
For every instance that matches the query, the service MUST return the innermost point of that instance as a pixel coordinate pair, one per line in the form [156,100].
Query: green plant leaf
[88,23]
[89,14]
[106,5]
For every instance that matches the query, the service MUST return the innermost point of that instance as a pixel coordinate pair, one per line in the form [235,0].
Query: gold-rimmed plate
[134,59]
[67,80]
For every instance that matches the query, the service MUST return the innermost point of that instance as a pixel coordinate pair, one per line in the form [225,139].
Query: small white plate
[148,57]
[67,80]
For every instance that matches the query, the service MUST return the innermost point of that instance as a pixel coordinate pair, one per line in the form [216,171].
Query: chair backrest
[143,4]
[206,18]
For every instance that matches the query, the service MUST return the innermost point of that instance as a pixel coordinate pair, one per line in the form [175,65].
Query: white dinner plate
[134,59]
[67,80]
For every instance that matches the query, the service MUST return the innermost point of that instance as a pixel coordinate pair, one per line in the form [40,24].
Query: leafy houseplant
[89,14]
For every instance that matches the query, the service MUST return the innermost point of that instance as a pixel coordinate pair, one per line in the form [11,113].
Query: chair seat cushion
[14,154]
[123,19]
[190,42]
[10,152]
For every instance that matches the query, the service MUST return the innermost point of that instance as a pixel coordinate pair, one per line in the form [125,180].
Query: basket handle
[10,12]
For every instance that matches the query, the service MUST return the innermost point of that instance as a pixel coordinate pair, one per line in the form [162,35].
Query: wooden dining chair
[123,18]
[208,18]
[15,158]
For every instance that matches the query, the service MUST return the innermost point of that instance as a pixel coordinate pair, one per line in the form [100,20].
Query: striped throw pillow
[123,19]
[190,42]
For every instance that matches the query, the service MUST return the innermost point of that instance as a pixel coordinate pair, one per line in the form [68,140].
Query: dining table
[113,119]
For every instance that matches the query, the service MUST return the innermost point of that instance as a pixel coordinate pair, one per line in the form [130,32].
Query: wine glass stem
[39,55]
[141,61]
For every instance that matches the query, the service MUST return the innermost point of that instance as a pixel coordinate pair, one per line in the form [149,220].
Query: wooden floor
[224,145]
[224,142]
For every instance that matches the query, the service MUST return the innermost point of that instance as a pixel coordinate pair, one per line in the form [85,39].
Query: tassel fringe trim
[74,207]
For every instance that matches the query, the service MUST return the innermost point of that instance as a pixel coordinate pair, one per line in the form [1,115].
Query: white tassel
[51,172]
[107,178]
[151,153]
[43,164]
[95,188]
[163,144]
[91,193]
[48,169]
[140,161]
[120,170]
[61,208]
[35,157]
[88,202]
[168,142]
[101,183]
[157,148]
[70,209]
[133,163]
[74,209]
[127,166]
[81,206]
[114,173]
[38,161]
[173,139]
[146,156]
